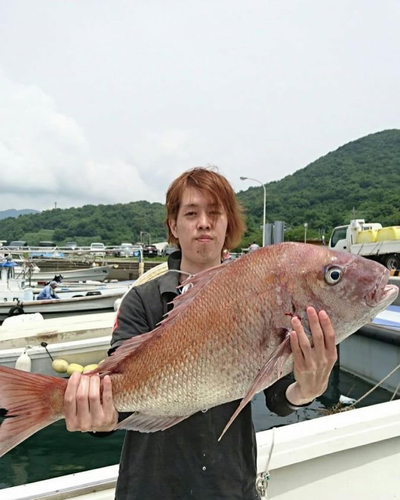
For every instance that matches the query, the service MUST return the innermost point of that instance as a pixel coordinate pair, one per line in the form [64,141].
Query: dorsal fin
[195,283]
[129,347]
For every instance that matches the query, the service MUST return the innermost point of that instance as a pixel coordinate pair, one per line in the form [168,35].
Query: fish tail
[28,402]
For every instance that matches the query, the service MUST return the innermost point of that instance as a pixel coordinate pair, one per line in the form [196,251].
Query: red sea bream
[226,339]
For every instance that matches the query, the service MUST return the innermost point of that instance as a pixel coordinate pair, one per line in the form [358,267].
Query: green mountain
[360,179]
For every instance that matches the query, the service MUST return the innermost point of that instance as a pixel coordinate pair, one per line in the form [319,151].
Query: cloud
[45,157]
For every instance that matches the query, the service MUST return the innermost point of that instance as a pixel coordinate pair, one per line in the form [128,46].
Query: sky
[109,101]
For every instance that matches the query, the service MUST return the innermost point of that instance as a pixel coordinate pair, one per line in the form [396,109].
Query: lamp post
[141,237]
[305,232]
[265,204]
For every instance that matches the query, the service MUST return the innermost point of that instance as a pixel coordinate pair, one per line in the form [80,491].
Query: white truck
[370,240]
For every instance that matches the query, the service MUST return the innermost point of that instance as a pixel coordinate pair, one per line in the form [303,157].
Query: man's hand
[85,408]
[312,365]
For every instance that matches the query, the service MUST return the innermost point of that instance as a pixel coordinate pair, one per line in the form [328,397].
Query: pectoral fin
[277,360]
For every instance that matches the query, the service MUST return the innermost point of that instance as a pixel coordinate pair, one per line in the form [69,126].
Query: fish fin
[149,423]
[28,402]
[195,283]
[129,347]
[276,360]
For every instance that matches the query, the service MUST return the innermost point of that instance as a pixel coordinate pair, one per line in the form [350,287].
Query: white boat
[374,351]
[97,273]
[354,454]
[12,289]
[77,339]
[71,290]
[63,307]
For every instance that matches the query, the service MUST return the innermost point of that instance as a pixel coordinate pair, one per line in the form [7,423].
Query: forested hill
[363,174]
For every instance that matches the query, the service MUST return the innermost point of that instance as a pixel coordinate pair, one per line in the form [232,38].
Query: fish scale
[225,339]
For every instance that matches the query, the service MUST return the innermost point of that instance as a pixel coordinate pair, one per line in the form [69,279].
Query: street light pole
[141,237]
[265,204]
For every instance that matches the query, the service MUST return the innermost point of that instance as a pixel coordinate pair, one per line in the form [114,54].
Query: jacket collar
[170,280]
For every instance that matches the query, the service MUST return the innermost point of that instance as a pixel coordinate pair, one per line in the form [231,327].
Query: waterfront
[55,452]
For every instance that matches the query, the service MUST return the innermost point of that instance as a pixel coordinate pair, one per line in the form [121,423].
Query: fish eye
[333,275]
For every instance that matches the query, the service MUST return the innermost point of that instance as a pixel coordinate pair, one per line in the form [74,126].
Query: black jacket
[187,461]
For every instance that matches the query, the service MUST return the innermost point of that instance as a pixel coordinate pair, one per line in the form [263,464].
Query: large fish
[225,339]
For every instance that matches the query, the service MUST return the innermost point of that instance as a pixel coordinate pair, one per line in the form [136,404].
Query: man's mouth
[204,238]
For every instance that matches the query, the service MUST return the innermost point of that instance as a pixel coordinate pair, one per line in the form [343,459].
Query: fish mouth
[381,292]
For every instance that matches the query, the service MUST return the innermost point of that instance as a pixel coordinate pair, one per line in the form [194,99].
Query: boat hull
[98,273]
[62,307]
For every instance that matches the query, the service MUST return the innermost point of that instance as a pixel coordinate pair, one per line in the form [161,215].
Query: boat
[353,454]
[97,273]
[76,339]
[12,289]
[63,307]
[71,290]
[378,343]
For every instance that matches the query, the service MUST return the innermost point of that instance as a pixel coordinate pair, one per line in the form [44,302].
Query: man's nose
[204,221]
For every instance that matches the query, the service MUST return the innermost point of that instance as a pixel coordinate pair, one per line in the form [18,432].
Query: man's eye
[190,213]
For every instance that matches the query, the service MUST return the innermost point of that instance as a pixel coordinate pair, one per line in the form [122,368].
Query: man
[48,292]
[253,247]
[187,461]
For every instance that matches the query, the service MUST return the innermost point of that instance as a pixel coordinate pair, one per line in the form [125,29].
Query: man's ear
[172,226]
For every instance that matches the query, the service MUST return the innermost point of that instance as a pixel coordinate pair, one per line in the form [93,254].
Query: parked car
[47,244]
[168,250]
[18,245]
[127,250]
[71,245]
[150,251]
[98,249]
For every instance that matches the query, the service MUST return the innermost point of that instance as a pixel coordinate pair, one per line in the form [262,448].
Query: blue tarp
[8,264]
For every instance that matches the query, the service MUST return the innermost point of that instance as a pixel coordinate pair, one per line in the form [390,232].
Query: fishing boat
[29,271]
[373,352]
[81,339]
[353,454]
[92,302]
[76,339]
[71,290]
[97,273]
[12,289]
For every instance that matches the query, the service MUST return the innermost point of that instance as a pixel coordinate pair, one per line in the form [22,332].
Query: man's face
[200,228]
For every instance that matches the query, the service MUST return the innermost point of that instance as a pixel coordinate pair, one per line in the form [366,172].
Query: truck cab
[369,240]
[343,237]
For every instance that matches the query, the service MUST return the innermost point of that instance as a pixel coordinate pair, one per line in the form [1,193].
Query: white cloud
[45,157]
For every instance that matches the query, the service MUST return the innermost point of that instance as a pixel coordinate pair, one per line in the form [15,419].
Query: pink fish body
[226,339]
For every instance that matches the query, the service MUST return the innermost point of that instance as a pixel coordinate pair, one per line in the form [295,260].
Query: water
[55,452]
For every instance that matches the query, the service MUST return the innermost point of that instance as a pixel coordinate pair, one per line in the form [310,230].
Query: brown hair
[217,187]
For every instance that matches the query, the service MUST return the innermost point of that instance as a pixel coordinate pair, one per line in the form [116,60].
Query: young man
[187,461]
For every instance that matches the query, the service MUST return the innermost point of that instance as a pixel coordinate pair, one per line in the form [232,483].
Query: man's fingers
[329,332]
[109,410]
[303,340]
[94,395]
[70,401]
[316,330]
[298,356]
[82,401]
